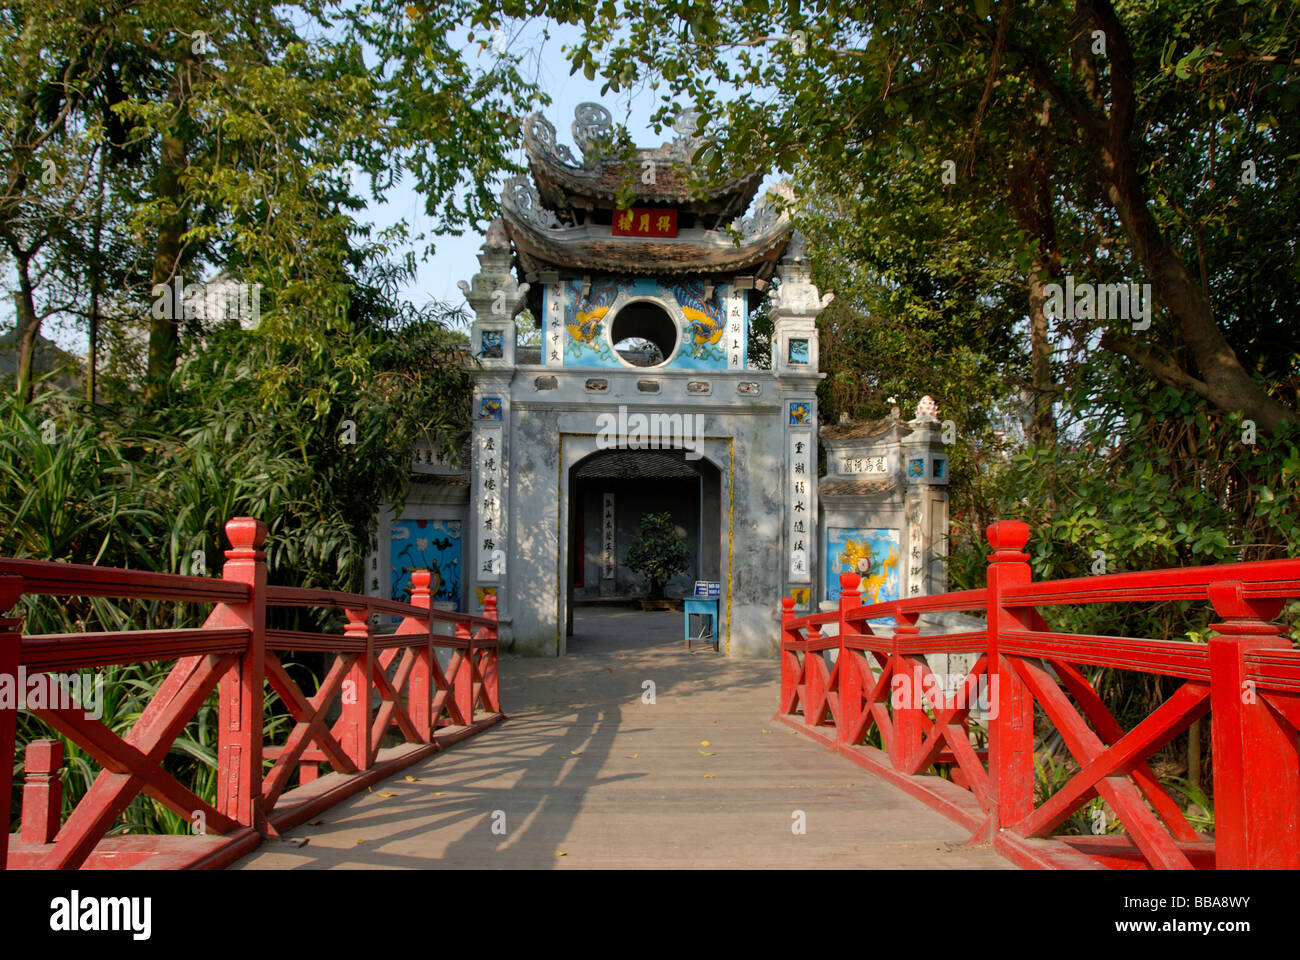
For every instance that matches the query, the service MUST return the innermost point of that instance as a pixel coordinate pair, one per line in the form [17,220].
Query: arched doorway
[609,492]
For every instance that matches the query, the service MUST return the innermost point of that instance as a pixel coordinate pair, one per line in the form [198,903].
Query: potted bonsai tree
[658,554]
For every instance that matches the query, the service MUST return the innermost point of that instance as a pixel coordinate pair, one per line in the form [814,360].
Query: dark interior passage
[635,483]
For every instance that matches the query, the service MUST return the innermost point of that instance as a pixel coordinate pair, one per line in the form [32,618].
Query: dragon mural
[586,320]
[707,320]
[879,547]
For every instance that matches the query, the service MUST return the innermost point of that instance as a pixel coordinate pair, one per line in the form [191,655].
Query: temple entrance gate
[644,379]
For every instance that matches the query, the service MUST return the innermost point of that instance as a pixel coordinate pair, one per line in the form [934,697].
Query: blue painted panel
[427,545]
[587,320]
[846,545]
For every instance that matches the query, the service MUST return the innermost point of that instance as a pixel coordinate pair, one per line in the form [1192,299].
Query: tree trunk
[1040,362]
[96,283]
[164,331]
[28,323]
[1105,126]
[1222,380]
[1031,204]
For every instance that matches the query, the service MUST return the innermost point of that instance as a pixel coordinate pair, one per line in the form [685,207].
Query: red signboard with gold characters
[645,222]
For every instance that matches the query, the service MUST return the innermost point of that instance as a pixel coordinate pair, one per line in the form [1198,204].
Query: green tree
[1135,120]
[658,553]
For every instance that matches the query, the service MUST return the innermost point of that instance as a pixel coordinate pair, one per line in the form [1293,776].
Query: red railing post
[463,679]
[240,720]
[1011,728]
[906,694]
[421,683]
[11,591]
[789,659]
[846,660]
[356,710]
[1256,766]
[491,680]
[42,791]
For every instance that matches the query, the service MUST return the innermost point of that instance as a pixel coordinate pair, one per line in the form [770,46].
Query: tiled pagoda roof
[565,183]
[548,222]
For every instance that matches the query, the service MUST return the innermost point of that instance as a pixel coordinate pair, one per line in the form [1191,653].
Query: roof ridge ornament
[686,122]
[542,131]
[927,411]
[768,214]
[686,144]
[591,127]
[523,198]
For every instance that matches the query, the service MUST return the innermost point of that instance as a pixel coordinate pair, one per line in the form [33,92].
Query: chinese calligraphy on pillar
[736,333]
[800,517]
[554,325]
[491,525]
[607,538]
[915,545]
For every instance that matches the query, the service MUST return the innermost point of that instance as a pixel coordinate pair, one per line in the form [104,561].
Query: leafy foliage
[658,553]
[152,144]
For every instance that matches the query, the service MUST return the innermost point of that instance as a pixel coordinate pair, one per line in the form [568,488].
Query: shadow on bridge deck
[587,775]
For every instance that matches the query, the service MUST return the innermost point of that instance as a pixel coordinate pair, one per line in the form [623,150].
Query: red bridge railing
[377,681]
[1247,677]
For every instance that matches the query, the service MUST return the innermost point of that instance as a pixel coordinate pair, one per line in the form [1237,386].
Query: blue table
[705,607]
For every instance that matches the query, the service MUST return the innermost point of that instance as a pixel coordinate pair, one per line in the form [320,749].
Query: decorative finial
[496,236]
[245,534]
[1008,539]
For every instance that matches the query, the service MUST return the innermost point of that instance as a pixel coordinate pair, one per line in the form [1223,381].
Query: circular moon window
[644,334]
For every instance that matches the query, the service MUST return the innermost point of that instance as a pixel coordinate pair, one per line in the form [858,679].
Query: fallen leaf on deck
[704,743]
[411,779]
[705,753]
[708,776]
[388,794]
[314,823]
[361,841]
[560,853]
[632,756]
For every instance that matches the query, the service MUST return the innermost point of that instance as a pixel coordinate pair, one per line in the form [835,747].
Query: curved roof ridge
[600,174]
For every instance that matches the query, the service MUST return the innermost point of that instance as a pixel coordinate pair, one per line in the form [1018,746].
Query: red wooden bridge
[433,681]
[378,681]
[1247,677]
